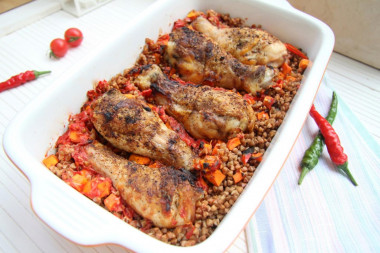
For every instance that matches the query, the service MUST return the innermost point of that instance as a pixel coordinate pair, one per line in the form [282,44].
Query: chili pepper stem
[39,73]
[344,169]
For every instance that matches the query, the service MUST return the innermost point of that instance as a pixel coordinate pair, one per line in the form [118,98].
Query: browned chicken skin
[165,196]
[200,60]
[248,45]
[129,124]
[205,112]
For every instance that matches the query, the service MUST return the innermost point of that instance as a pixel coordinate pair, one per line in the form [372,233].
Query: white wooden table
[27,48]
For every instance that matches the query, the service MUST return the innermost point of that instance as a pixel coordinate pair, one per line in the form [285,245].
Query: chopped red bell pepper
[295,50]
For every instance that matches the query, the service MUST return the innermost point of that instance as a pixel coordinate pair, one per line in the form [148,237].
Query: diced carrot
[303,63]
[104,188]
[155,165]
[87,188]
[74,136]
[257,156]
[216,147]
[233,143]
[215,177]
[51,160]
[207,148]
[113,203]
[78,181]
[193,14]
[237,177]
[286,69]
[139,159]
[262,115]
[290,78]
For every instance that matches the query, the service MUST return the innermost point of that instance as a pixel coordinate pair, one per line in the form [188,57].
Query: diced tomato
[249,99]
[80,158]
[179,23]
[176,126]
[202,183]
[127,87]
[146,93]
[268,102]
[279,84]
[245,158]
[63,139]
[189,231]
[102,87]
[148,225]
[163,39]
[100,187]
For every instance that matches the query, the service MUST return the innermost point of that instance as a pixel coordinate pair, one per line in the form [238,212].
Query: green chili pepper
[312,154]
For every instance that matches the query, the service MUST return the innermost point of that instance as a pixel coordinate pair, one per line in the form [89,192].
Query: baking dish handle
[65,210]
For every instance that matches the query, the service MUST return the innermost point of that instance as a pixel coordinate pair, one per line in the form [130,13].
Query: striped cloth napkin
[326,213]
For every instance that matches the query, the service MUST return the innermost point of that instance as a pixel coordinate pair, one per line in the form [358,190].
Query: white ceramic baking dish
[35,130]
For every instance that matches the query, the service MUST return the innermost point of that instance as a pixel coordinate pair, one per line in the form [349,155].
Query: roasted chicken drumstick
[205,112]
[200,60]
[129,124]
[165,196]
[249,45]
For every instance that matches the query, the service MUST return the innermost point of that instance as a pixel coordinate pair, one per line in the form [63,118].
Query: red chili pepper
[333,145]
[295,51]
[20,79]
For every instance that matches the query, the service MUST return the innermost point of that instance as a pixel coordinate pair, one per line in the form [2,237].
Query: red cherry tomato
[58,48]
[74,37]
